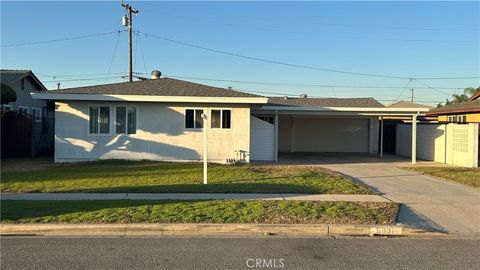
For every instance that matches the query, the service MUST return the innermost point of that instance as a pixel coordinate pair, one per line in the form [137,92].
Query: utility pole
[127,21]
[412,98]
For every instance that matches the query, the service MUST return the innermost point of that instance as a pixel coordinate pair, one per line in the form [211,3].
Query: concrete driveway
[427,202]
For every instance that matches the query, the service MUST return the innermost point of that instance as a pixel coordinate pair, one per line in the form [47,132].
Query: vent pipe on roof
[229,88]
[156,74]
[303,95]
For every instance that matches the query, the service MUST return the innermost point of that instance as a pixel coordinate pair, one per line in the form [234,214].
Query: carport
[321,129]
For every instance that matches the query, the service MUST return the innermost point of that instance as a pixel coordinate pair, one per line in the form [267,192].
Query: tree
[467,93]
[7,94]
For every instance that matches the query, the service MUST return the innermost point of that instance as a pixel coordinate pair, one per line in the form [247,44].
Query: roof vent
[303,95]
[229,88]
[156,74]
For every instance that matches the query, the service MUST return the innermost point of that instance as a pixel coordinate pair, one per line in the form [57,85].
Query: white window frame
[39,114]
[126,120]
[194,119]
[98,123]
[221,118]
[6,107]
[23,107]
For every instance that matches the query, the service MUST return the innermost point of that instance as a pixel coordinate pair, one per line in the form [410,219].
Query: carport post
[275,154]
[205,149]
[414,139]
[381,136]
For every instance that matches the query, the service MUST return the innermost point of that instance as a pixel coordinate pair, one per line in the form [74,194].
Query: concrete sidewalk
[193,196]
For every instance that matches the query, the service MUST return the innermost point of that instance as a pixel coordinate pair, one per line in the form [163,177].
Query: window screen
[215,119]
[132,120]
[104,120]
[189,119]
[93,121]
[121,120]
[99,121]
[226,121]
[198,119]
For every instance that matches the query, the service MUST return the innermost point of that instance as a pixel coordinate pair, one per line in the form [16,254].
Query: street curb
[202,229]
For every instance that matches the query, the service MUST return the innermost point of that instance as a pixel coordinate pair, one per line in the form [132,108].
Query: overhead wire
[113,55]
[301,66]
[60,39]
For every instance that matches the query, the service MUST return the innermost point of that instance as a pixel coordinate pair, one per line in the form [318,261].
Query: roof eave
[149,98]
[454,111]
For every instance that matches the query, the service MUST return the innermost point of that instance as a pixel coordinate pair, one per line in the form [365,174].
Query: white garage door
[330,135]
[262,140]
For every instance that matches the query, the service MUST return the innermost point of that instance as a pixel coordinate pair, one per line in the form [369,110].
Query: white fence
[455,144]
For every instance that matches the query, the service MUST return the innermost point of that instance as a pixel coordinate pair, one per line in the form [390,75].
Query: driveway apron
[427,202]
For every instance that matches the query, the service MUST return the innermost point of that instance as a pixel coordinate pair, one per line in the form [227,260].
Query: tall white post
[275,154]
[381,136]
[205,150]
[414,139]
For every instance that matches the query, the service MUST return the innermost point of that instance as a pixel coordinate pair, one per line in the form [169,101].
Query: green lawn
[215,211]
[148,176]
[466,176]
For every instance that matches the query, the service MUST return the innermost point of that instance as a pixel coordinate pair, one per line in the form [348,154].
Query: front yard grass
[152,177]
[466,176]
[214,211]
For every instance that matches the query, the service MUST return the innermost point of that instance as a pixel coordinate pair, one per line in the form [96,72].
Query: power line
[320,23]
[297,65]
[313,34]
[433,88]
[85,79]
[77,75]
[113,55]
[293,84]
[403,90]
[141,51]
[60,39]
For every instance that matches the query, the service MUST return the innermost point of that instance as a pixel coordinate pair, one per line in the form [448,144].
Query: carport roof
[325,102]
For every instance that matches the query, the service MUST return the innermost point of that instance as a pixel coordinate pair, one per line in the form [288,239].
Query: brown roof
[408,104]
[324,102]
[8,76]
[158,87]
[461,107]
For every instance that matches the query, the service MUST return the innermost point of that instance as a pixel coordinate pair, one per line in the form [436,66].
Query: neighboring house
[161,119]
[452,139]
[408,104]
[30,134]
[460,140]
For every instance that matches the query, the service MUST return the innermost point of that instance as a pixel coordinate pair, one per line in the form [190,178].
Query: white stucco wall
[455,144]
[430,141]
[161,134]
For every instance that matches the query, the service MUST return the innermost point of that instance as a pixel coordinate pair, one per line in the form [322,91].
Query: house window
[221,118]
[37,114]
[6,107]
[193,118]
[99,121]
[45,112]
[23,110]
[126,120]
[22,84]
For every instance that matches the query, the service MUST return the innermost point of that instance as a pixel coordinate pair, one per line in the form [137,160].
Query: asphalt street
[237,253]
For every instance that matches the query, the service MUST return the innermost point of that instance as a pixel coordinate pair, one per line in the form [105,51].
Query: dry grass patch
[465,176]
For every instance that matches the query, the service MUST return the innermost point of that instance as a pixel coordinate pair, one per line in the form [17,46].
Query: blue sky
[407,39]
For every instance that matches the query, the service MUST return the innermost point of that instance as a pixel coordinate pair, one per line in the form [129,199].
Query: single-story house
[161,119]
